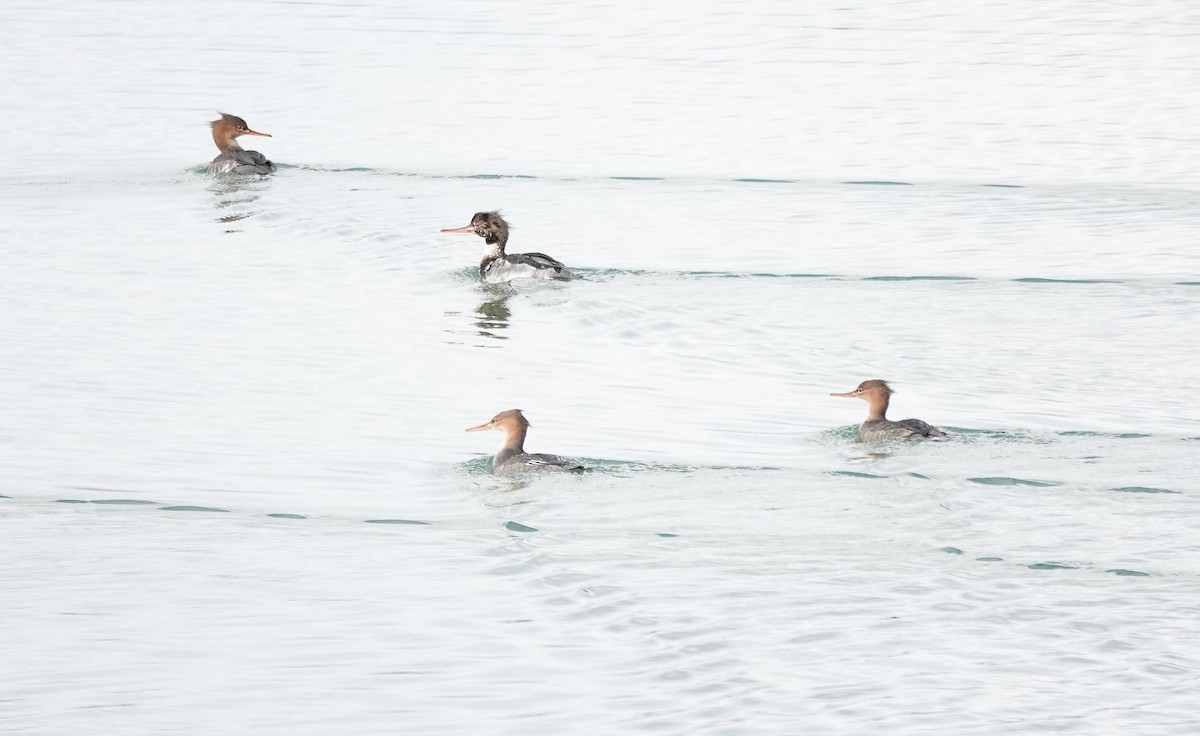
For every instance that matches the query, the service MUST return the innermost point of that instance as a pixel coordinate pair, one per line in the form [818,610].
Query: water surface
[235,493]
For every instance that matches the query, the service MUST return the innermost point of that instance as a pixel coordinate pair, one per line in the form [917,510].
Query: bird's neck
[494,245]
[877,406]
[226,143]
[514,444]
[493,250]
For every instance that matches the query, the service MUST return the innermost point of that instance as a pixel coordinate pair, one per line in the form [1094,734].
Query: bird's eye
[241,127]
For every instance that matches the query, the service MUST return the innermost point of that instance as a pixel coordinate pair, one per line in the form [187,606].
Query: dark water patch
[621,467]
[666,535]
[493,177]
[513,526]
[466,274]
[603,465]
[750,275]
[1051,566]
[765,181]
[1008,435]
[287,516]
[477,466]
[608,274]
[398,521]
[1142,489]
[951,550]
[919,278]
[1119,436]
[70,500]
[1037,280]
[388,172]
[1187,283]
[4,496]
[202,509]
[1006,481]
[880,183]
[855,474]
[1003,186]
[1128,573]
[618,468]
[125,502]
[918,475]
[989,559]
[838,434]
[334,170]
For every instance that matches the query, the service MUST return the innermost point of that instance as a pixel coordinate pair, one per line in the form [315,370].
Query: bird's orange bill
[848,395]
[255,132]
[467,229]
[480,428]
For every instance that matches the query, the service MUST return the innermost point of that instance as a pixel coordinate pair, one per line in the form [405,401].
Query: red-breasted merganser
[233,159]
[498,266]
[512,457]
[878,427]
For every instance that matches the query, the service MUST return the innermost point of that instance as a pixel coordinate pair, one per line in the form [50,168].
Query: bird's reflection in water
[235,197]
[506,494]
[861,455]
[493,312]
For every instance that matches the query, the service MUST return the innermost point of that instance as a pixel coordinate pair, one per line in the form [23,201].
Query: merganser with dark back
[876,393]
[233,159]
[497,266]
[512,457]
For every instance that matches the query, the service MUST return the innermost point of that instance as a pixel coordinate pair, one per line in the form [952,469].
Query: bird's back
[908,428]
[524,266]
[535,463]
[925,429]
[241,162]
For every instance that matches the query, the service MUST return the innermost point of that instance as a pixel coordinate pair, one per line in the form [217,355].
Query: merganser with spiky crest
[877,426]
[233,159]
[512,457]
[497,266]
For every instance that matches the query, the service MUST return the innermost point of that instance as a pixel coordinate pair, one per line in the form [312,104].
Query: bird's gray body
[504,267]
[886,429]
[241,162]
[525,462]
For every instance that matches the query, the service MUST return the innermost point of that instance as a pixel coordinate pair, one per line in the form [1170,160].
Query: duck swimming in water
[233,159]
[877,426]
[512,457]
[497,266]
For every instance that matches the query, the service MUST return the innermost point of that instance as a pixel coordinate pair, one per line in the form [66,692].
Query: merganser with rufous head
[497,266]
[877,426]
[233,159]
[512,457]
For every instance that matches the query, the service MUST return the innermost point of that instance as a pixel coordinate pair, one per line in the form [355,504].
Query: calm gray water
[236,493]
